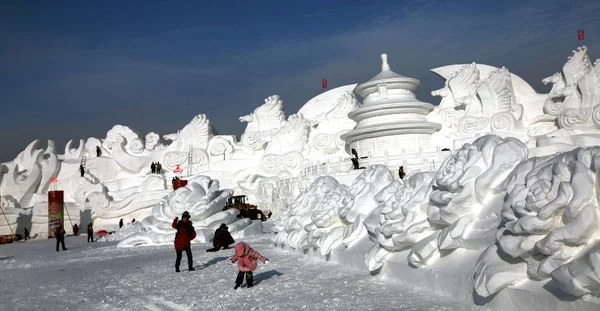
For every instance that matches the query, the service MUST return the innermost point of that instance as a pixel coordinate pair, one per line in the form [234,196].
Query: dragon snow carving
[195,137]
[263,123]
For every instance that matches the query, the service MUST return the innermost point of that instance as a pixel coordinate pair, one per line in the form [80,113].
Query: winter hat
[223,226]
[185,215]
[241,249]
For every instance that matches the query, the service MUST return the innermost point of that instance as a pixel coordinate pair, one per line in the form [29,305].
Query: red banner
[580,35]
[324,83]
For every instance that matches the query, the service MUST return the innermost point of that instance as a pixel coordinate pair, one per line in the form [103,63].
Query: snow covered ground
[100,276]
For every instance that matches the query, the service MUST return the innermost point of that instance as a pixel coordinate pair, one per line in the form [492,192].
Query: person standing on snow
[90,232]
[183,239]
[25,234]
[246,258]
[59,234]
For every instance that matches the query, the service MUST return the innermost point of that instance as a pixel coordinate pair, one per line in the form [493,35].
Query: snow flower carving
[551,218]
[468,218]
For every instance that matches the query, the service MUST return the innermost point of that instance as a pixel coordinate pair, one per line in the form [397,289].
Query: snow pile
[203,199]
[128,230]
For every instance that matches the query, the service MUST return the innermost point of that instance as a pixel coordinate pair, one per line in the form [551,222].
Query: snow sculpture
[21,178]
[285,152]
[325,139]
[153,142]
[193,137]
[203,199]
[262,123]
[551,226]
[90,146]
[329,214]
[221,147]
[402,220]
[120,134]
[479,99]
[581,93]
[459,205]
[72,154]
[313,219]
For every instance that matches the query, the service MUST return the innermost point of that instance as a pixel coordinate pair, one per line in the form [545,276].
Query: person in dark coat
[121,223]
[75,229]
[81,170]
[25,234]
[158,167]
[401,173]
[354,159]
[222,239]
[153,167]
[183,239]
[90,232]
[59,234]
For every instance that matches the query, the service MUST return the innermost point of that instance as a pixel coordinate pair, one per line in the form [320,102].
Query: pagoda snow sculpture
[391,121]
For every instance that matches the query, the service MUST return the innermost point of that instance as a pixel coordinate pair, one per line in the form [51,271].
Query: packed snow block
[255,228]
[204,235]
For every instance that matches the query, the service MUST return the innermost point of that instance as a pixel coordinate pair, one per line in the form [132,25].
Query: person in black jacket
[90,232]
[26,234]
[222,239]
[59,234]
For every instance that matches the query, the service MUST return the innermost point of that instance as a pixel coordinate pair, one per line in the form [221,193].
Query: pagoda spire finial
[384,63]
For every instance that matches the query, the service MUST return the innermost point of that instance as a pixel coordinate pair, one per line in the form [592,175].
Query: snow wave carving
[402,220]
[551,225]
[328,213]
[203,199]
[313,215]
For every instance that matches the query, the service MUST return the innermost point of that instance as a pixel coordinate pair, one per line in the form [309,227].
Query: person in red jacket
[185,234]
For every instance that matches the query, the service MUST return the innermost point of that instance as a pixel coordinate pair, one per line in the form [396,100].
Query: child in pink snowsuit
[246,258]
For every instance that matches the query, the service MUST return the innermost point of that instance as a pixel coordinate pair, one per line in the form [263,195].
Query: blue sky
[73,69]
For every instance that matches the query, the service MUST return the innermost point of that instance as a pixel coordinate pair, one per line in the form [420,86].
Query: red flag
[324,83]
[580,35]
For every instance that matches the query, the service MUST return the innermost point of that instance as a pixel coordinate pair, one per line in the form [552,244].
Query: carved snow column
[390,118]
[56,211]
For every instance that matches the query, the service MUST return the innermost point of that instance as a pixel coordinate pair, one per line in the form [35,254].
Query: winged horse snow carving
[262,123]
